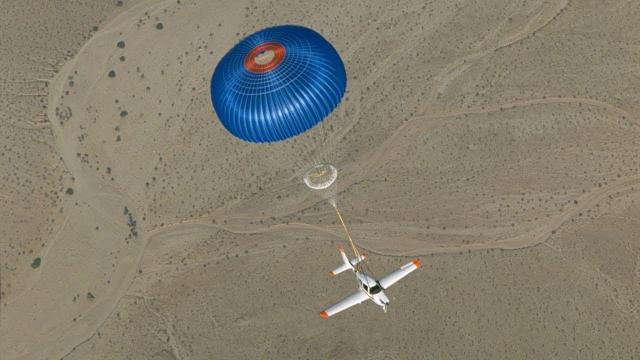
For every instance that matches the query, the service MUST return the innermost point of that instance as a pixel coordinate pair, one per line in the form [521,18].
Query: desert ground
[498,141]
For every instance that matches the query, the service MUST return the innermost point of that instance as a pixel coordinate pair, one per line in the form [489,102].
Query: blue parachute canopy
[277,83]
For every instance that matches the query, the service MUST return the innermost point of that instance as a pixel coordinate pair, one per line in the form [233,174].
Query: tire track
[375,157]
[460,65]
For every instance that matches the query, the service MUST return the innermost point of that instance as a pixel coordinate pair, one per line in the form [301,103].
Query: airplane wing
[395,276]
[351,300]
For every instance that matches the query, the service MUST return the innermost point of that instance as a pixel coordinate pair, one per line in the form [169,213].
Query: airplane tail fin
[346,263]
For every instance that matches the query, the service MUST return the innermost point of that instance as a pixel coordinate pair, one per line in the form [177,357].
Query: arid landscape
[498,141]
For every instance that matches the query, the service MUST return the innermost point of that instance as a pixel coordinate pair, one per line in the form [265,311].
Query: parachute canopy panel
[277,83]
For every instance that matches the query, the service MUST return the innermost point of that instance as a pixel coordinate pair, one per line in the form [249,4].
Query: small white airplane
[369,288]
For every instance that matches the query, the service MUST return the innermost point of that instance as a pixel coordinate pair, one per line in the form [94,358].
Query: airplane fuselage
[372,288]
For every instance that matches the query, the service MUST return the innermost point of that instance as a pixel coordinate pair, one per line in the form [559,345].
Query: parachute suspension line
[353,245]
[327,150]
[360,264]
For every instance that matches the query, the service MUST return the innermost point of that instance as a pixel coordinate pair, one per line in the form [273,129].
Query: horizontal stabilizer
[341,268]
[347,264]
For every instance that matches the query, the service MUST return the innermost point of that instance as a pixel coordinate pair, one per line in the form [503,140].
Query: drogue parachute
[321,176]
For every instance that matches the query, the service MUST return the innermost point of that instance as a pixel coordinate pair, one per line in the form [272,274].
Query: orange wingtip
[332,273]
[324,315]
[340,248]
[416,262]
[365,255]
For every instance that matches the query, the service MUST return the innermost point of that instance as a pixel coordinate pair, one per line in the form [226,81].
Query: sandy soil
[499,141]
